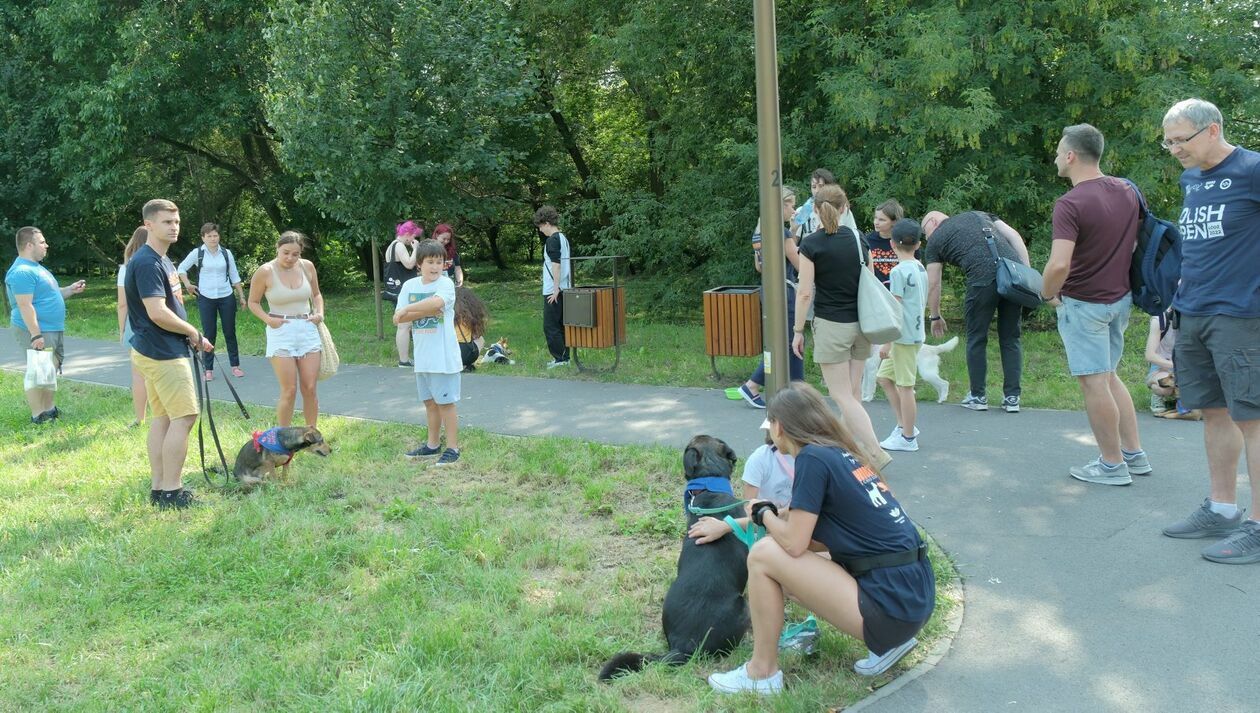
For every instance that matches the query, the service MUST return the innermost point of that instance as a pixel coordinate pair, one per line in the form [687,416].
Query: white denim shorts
[294,338]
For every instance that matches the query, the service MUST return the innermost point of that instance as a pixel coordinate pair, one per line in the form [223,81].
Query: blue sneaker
[424,450]
[754,400]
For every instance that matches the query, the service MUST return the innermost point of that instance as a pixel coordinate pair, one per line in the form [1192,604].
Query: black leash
[203,399]
[227,378]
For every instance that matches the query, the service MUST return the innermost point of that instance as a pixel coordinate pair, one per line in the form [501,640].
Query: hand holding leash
[759,509]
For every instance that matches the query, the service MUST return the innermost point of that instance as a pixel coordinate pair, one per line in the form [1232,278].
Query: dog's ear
[691,461]
[312,436]
[728,453]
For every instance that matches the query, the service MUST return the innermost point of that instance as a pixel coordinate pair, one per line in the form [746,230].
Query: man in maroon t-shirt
[1087,281]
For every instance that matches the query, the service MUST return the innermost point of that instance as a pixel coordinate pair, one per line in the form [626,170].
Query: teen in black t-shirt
[842,507]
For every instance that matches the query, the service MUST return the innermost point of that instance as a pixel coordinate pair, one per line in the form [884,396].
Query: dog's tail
[946,346]
[630,662]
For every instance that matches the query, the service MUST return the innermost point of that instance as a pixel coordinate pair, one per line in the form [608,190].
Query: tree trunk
[492,235]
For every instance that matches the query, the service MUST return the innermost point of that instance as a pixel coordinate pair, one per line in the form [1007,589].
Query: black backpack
[1156,267]
[201,257]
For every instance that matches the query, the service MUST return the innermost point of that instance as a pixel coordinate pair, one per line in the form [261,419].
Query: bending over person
[878,585]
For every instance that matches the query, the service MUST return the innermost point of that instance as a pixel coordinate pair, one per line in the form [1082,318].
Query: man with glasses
[1218,302]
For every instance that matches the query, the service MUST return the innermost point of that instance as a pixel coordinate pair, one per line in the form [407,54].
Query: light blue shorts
[1093,334]
[441,388]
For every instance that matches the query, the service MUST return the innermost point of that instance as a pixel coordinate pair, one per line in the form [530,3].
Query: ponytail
[830,203]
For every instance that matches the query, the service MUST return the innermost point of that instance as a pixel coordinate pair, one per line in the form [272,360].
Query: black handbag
[1016,281]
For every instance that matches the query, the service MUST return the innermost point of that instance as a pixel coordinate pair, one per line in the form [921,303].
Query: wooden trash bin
[732,323]
[594,317]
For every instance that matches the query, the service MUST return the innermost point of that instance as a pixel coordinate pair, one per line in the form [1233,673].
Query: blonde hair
[830,202]
[292,236]
[138,237]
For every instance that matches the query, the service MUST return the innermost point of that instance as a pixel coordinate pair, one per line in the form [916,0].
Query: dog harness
[270,441]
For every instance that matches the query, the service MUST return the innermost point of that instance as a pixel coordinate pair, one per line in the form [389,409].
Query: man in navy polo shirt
[39,312]
[1218,345]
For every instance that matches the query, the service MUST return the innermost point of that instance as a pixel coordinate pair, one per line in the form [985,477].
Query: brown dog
[275,447]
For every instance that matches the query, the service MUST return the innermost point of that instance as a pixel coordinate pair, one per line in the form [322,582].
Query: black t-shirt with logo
[858,516]
[883,257]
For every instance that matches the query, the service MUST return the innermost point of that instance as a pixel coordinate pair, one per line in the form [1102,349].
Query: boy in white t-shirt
[899,368]
[428,302]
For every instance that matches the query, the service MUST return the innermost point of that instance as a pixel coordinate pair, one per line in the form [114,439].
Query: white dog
[928,362]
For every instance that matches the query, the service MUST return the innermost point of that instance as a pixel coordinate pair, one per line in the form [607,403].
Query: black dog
[705,610]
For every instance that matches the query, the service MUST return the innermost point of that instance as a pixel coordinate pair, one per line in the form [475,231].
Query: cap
[906,232]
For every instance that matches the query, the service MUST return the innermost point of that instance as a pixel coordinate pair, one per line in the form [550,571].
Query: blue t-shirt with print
[859,517]
[151,275]
[1220,230]
[27,277]
[908,280]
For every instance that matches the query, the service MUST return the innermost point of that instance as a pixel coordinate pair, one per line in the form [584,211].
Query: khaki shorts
[902,365]
[172,391]
[839,342]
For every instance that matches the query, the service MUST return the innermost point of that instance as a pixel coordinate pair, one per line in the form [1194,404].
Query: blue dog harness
[269,440]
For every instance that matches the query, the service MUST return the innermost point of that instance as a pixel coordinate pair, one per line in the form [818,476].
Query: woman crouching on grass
[878,585]
[294,306]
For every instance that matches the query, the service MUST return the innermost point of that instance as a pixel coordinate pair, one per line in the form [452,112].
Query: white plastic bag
[41,370]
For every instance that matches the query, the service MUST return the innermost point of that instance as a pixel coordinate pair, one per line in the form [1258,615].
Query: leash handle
[749,536]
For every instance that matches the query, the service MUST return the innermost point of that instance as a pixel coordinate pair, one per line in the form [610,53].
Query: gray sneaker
[1138,463]
[1095,472]
[1204,523]
[1242,547]
[975,403]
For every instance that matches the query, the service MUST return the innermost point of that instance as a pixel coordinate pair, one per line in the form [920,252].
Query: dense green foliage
[635,117]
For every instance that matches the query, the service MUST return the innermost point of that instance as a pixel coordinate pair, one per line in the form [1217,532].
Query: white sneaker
[898,432]
[898,442]
[553,363]
[874,665]
[737,681]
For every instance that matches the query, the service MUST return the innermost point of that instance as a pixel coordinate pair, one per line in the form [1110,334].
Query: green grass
[364,583]
[657,352]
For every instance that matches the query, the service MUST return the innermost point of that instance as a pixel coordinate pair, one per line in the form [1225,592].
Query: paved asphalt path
[1074,601]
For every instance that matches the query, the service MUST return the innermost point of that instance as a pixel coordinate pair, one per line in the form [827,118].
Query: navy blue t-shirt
[152,275]
[1220,230]
[859,517]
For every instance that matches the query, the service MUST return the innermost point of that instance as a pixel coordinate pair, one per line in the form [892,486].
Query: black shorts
[1217,361]
[881,632]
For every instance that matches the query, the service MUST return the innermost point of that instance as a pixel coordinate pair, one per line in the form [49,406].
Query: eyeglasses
[1174,143]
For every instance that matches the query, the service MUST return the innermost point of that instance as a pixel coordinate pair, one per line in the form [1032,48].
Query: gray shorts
[52,340]
[1218,364]
[1093,334]
[440,388]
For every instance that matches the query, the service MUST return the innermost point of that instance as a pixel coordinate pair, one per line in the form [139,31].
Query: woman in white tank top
[294,306]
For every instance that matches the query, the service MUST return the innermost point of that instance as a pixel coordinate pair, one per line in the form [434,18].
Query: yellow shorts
[900,366]
[172,391]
